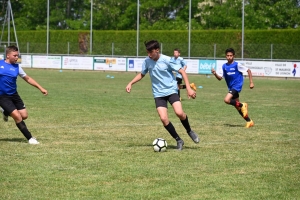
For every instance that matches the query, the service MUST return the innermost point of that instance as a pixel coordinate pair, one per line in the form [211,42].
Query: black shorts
[235,94]
[179,80]
[162,101]
[11,102]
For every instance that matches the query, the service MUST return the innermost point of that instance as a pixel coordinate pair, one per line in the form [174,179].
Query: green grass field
[96,141]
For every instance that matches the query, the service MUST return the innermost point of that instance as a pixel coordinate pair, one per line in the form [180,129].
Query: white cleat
[33,141]
[5,118]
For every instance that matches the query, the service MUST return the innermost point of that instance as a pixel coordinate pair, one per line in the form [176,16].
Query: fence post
[271,52]
[215,50]
[68,48]
[161,48]
[27,46]
[112,49]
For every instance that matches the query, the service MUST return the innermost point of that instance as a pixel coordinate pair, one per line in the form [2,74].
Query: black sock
[186,124]
[246,118]
[170,128]
[235,103]
[240,113]
[6,113]
[23,128]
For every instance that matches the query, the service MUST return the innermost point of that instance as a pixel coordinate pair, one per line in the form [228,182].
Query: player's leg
[249,122]
[19,113]
[4,114]
[232,98]
[177,107]
[179,82]
[162,110]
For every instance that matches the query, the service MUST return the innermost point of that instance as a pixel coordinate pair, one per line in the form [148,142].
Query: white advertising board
[26,61]
[285,69]
[268,68]
[112,64]
[53,62]
[192,66]
[70,62]
[135,64]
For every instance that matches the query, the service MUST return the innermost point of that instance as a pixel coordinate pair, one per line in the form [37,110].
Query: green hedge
[283,44]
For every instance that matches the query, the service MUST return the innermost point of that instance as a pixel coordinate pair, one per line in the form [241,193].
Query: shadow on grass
[233,125]
[169,146]
[12,140]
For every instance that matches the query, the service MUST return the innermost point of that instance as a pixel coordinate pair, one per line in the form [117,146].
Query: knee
[24,117]
[181,115]
[227,101]
[164,120]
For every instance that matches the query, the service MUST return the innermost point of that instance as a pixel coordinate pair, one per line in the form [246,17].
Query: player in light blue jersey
[10,101]
[180,61]
[232,72]
[164,88]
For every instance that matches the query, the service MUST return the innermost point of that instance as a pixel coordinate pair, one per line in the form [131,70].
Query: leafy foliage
[154,15]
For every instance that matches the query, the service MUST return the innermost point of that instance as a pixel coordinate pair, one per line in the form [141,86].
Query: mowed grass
[96,141]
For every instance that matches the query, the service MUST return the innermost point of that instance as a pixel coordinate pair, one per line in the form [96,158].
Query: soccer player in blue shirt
[10,101]
[179,60]
[164,88]
[233,73]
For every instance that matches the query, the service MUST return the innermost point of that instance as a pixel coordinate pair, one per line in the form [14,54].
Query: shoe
[33,141]
[5,118]
[193,86]
[194,136]
[249,124]
[244,109]
[180,144]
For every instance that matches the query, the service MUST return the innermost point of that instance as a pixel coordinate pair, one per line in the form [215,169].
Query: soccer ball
[159,145]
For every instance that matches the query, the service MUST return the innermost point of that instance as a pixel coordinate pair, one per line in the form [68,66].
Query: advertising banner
[135,64]
[26,61]
[45,61]
[113,64]
[192,66]
[285,69]
[205,66]
[85,63]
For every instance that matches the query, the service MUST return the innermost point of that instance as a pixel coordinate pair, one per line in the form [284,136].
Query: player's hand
[191,94]
[251,85]
[128,88]
[213,70]
[45,92]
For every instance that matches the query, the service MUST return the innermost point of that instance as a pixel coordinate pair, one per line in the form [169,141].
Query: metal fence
[209,51]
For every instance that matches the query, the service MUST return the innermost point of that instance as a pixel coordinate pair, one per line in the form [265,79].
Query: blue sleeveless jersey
[8,78]
[234,75]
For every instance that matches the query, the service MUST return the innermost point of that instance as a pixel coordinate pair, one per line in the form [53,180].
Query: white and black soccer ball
[159,145]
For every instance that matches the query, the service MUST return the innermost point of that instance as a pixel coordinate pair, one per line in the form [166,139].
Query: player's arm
[32,82]
[250,79]
[183,63]
[191,93]
[137,78]
[213,71]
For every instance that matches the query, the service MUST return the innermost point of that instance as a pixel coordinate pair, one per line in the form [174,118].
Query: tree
[155,15]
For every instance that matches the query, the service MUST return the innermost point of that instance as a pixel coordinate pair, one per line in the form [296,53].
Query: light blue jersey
[8,77]
[180,61]
[161,74]
[233,74]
